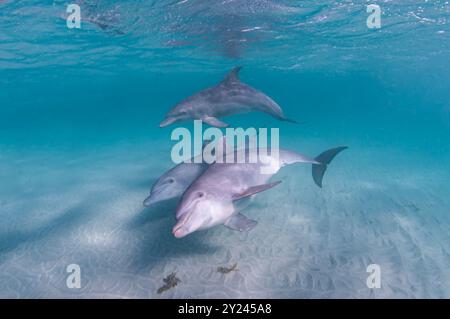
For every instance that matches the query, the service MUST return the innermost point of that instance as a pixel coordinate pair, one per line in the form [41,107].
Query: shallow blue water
[80,147]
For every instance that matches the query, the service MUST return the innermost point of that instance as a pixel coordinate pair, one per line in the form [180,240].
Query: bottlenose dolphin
[175,181]
[209,200]
[230,96]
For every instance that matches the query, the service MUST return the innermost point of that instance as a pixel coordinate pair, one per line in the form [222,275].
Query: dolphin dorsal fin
[232,76]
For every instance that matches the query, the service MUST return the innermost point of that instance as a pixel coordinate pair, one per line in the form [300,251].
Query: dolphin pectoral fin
[318,170]
[240,222]
[211,120]
[255,189]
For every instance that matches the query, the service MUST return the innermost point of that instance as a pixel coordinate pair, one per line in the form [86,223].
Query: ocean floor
[79,207]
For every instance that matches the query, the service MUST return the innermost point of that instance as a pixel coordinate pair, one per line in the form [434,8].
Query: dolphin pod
[209,200]
[215,194]
[173,183]
[230,96]
[176,180]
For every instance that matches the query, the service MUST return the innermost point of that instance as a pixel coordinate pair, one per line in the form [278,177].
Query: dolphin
[210,199]
[175,181]
[230,96]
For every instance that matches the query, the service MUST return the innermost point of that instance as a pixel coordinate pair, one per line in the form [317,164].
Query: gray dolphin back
[259,100]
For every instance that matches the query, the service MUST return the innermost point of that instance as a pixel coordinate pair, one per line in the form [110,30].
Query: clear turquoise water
[80,147]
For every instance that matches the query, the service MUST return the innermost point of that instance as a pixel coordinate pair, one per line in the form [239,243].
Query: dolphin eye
[171,180]
[200,194]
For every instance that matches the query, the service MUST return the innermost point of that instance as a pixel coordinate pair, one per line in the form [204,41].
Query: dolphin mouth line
[185,220]
[155,192]
[150,199]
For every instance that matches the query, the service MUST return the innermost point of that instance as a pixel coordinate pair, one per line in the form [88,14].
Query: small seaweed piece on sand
[169,282]
[226,270]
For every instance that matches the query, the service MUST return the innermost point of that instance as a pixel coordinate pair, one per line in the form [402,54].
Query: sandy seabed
[377,206]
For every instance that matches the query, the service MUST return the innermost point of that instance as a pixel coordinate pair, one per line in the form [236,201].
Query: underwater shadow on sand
[154,226]
[135,181]
[153,213]
[63,223]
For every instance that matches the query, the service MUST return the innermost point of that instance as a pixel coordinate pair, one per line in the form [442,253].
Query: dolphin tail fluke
[325,158]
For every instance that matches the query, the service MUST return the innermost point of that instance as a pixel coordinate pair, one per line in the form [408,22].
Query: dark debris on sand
[226,270]
[169,282]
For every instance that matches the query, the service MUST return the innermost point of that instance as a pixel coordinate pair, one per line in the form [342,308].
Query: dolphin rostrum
[210,199]
[230,96]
